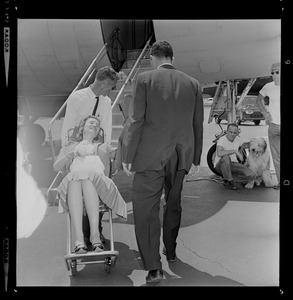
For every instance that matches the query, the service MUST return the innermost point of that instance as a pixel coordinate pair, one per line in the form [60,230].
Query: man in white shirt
[272,114]
[226,160]
[81,103]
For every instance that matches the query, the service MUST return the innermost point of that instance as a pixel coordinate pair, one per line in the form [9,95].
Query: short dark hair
[162,49]
[106,73]
[232,124]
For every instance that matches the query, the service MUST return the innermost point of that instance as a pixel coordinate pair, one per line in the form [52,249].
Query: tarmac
[227,238]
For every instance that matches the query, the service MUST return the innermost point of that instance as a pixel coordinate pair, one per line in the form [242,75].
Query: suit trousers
[146,197]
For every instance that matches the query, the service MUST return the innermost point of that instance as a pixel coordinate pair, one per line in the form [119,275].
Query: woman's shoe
[98,247]
[80,249]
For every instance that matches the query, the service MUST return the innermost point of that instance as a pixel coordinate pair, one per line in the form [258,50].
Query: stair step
[134,53]
[120,83]
[117,119]
[146,63]
[117,116]
[141,70]
[116,132]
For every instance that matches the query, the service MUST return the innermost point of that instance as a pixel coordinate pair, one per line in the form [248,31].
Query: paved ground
[227,238]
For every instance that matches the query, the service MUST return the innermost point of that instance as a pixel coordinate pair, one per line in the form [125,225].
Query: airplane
[54,54]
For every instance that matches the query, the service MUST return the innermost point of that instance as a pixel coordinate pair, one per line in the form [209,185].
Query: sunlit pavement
[227,238]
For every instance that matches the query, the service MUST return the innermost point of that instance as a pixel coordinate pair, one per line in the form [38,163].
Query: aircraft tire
[211,158]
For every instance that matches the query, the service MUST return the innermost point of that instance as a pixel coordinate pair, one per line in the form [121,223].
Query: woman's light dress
[88,165]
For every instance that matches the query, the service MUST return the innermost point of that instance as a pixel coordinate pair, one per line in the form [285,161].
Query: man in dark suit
[163,143]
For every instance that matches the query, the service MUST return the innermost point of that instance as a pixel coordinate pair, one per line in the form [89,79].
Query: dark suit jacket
[166,113]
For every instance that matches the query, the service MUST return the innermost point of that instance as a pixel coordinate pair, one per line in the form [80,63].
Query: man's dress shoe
[154,276]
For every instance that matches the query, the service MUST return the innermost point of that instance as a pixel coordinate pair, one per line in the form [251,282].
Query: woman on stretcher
[85,180]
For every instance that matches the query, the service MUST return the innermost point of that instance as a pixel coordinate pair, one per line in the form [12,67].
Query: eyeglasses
[276,72]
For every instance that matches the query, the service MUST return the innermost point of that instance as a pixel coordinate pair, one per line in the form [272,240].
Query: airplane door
[129,35]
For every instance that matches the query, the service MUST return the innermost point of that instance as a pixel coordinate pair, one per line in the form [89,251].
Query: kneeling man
[229,147]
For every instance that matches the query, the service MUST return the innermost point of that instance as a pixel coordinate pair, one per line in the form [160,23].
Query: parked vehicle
[248,111]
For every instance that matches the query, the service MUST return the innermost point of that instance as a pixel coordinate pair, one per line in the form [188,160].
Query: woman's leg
[75,205]
[91,200]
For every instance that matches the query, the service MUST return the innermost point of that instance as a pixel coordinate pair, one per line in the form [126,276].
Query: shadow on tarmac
[95,275]
[129,261]
[189,276]
[202,197]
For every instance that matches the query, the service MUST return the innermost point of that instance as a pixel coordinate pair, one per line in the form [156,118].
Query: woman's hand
[70,154]
[80,149]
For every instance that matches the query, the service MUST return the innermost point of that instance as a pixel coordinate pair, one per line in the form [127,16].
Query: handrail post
[130,73]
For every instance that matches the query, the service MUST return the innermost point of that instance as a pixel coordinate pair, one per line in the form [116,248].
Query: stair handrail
[84,79]
[137,69]
[88,71]
[131,72]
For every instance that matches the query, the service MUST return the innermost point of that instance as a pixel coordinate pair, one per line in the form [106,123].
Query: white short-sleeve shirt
[227,145]
[273,92]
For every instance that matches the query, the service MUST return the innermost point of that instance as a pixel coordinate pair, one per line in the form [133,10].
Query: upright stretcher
[107,257]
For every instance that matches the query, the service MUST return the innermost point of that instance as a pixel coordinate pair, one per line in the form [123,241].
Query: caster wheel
[108,265]
[73,268]
[113,259]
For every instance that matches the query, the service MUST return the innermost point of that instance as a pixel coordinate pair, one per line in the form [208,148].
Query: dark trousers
[231,170]
[146,196]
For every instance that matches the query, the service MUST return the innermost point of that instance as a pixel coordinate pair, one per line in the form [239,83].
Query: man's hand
[127,168]
[268,118]
[239,155]
[194,170]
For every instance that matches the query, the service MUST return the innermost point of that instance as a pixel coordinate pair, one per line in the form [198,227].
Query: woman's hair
[79,135]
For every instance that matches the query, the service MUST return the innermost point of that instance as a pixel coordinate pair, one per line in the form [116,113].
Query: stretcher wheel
[73,265]
[114,258]
[108,264]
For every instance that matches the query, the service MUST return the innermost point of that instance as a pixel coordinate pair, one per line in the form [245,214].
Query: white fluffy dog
[258,161]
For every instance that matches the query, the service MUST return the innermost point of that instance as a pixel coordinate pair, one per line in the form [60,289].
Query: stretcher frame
[107,257]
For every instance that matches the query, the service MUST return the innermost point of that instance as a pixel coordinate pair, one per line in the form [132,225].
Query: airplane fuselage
[54,54]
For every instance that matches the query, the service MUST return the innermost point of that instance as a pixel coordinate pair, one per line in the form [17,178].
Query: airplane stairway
[137,61]
[119,111]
